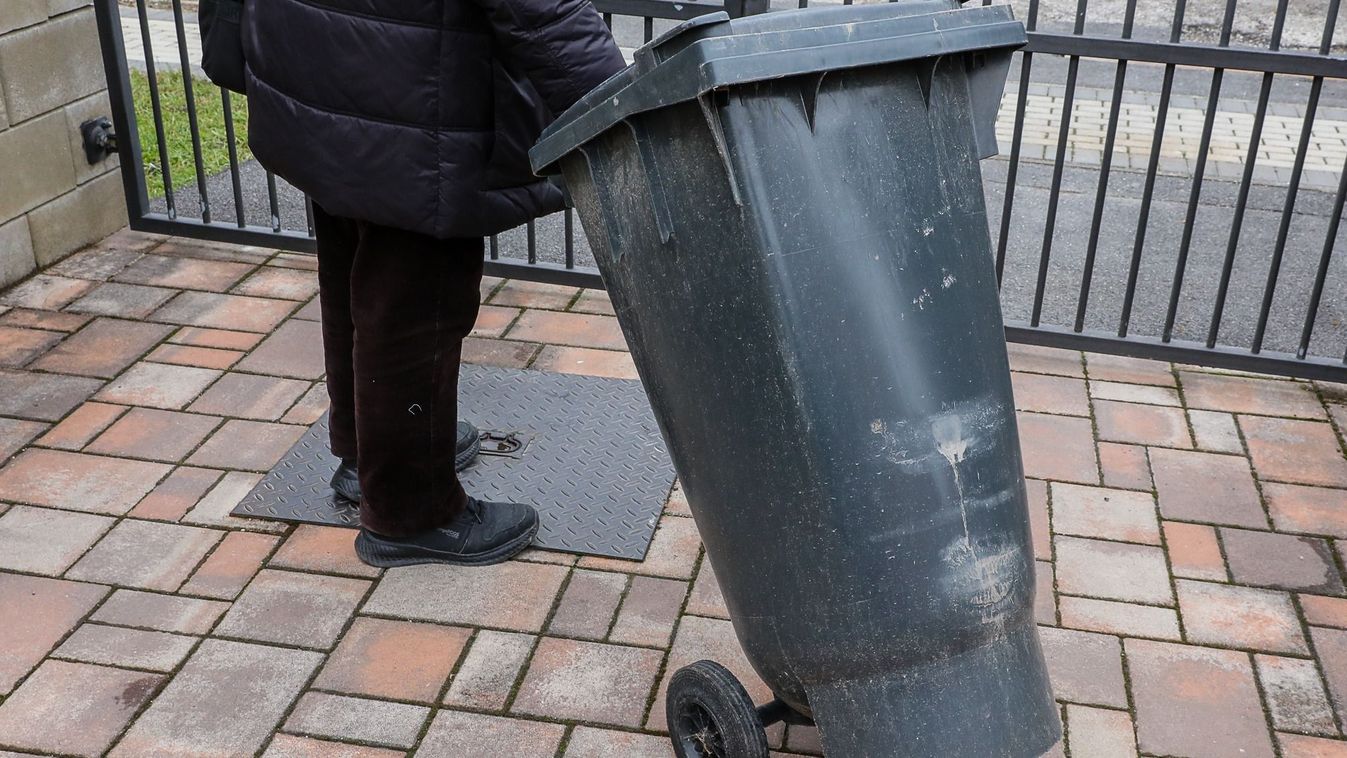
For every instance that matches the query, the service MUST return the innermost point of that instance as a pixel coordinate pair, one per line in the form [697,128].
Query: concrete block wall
[52,202]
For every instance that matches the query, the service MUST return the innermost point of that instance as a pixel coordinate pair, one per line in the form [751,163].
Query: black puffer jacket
[418,114]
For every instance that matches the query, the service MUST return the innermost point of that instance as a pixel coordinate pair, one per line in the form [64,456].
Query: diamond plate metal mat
[595,465]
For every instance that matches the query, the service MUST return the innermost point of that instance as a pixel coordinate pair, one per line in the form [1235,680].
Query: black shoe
[346,483]
[484,533]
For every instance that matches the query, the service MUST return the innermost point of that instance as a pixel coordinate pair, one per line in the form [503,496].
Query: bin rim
[715,52]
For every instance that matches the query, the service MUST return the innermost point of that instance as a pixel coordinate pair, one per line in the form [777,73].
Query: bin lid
[714,51]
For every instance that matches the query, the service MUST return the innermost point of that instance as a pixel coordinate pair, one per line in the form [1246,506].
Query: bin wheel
[711,716]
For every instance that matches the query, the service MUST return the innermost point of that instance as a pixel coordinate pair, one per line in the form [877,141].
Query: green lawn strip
[178,132]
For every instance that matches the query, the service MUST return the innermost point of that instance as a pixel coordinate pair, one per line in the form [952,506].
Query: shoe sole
[390,556]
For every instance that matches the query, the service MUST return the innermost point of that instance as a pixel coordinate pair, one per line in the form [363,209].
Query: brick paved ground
[1191,530]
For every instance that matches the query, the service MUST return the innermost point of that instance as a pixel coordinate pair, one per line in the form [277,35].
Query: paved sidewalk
[1190,526]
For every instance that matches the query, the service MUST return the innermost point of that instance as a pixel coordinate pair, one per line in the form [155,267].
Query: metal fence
[1171,183]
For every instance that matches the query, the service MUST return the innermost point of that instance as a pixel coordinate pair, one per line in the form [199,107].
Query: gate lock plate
[504,444]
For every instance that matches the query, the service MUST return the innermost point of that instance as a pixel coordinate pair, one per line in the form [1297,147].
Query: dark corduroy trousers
[396,306]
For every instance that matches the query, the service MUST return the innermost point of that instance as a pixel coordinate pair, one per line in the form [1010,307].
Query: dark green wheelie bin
[787,210]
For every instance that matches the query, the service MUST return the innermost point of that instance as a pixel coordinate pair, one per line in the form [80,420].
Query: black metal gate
[1171,185]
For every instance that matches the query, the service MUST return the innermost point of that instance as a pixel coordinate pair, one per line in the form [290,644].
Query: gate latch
[509,444]
[100,140]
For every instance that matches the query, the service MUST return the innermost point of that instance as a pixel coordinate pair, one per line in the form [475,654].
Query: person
[408,124]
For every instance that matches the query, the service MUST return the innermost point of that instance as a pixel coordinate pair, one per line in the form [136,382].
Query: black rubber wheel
[711,716]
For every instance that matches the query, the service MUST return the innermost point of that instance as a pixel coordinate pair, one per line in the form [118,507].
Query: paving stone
[184,247]
[1134,393]
[15,434]
[1295,695]
[309,408]
[588,742]
[103,348]
[289,608]
[324,549]
[1045,599]
[1324,611]
[131,301]
[1100,733]
[1104,513]
[1125,619]
[1283,561]
[129,648]
[398,660]
[44,541]
[454,734]
[516,596]
[230,312]
[1045,360]
[593,301]
[247,445]
[1194,552]
[49,320]
[1303,452]
[227,571]
[214,509]
[18,346]
[1218,489]
[492,321]
[588,681]
[377,722]
[1229,616]
[586,361]
[196,715]
[554,557]
[1314,510]
[1242,394]
[575,329]
[1040,526]
[1043,393]
[42,397]
[95,264]
[1125,466]
[154,434]
[219,339]
[501,353]
[176,494]
[165,613]
[1058,448]
[73,708]
[81,426]
[1301,746]
[44,292]
[279,283]
[805,739]
[1195,701]
[293,350]
[1084,667]
[199,357]
[588,604]
[1216,432]
[1112,571]
[678,501]
[263,398]
[312,311]
[490,670]
[673,552]
[78,482]
[1142,424]
[146,555]
[705,639]
[158,385]
[290,746]
[183,273]
[1330,647]
[51,609]
[649,612]
[1118,368]
[525,294]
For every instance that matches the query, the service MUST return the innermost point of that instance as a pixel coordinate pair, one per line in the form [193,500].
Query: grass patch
[178,132]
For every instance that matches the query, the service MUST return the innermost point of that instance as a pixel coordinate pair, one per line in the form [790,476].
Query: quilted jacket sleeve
[562,46]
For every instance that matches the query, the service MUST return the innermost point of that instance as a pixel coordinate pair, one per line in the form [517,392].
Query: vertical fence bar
[308,214]
[1246,182]
[234,176]
[532,230]
[570,238]
[1321,274]
[649,28]
[190,98]
[273,204]
[1058,166]
[1293,188]
[107,17]
[157,109]
[495,248]
[1105,167]
[1016,140]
